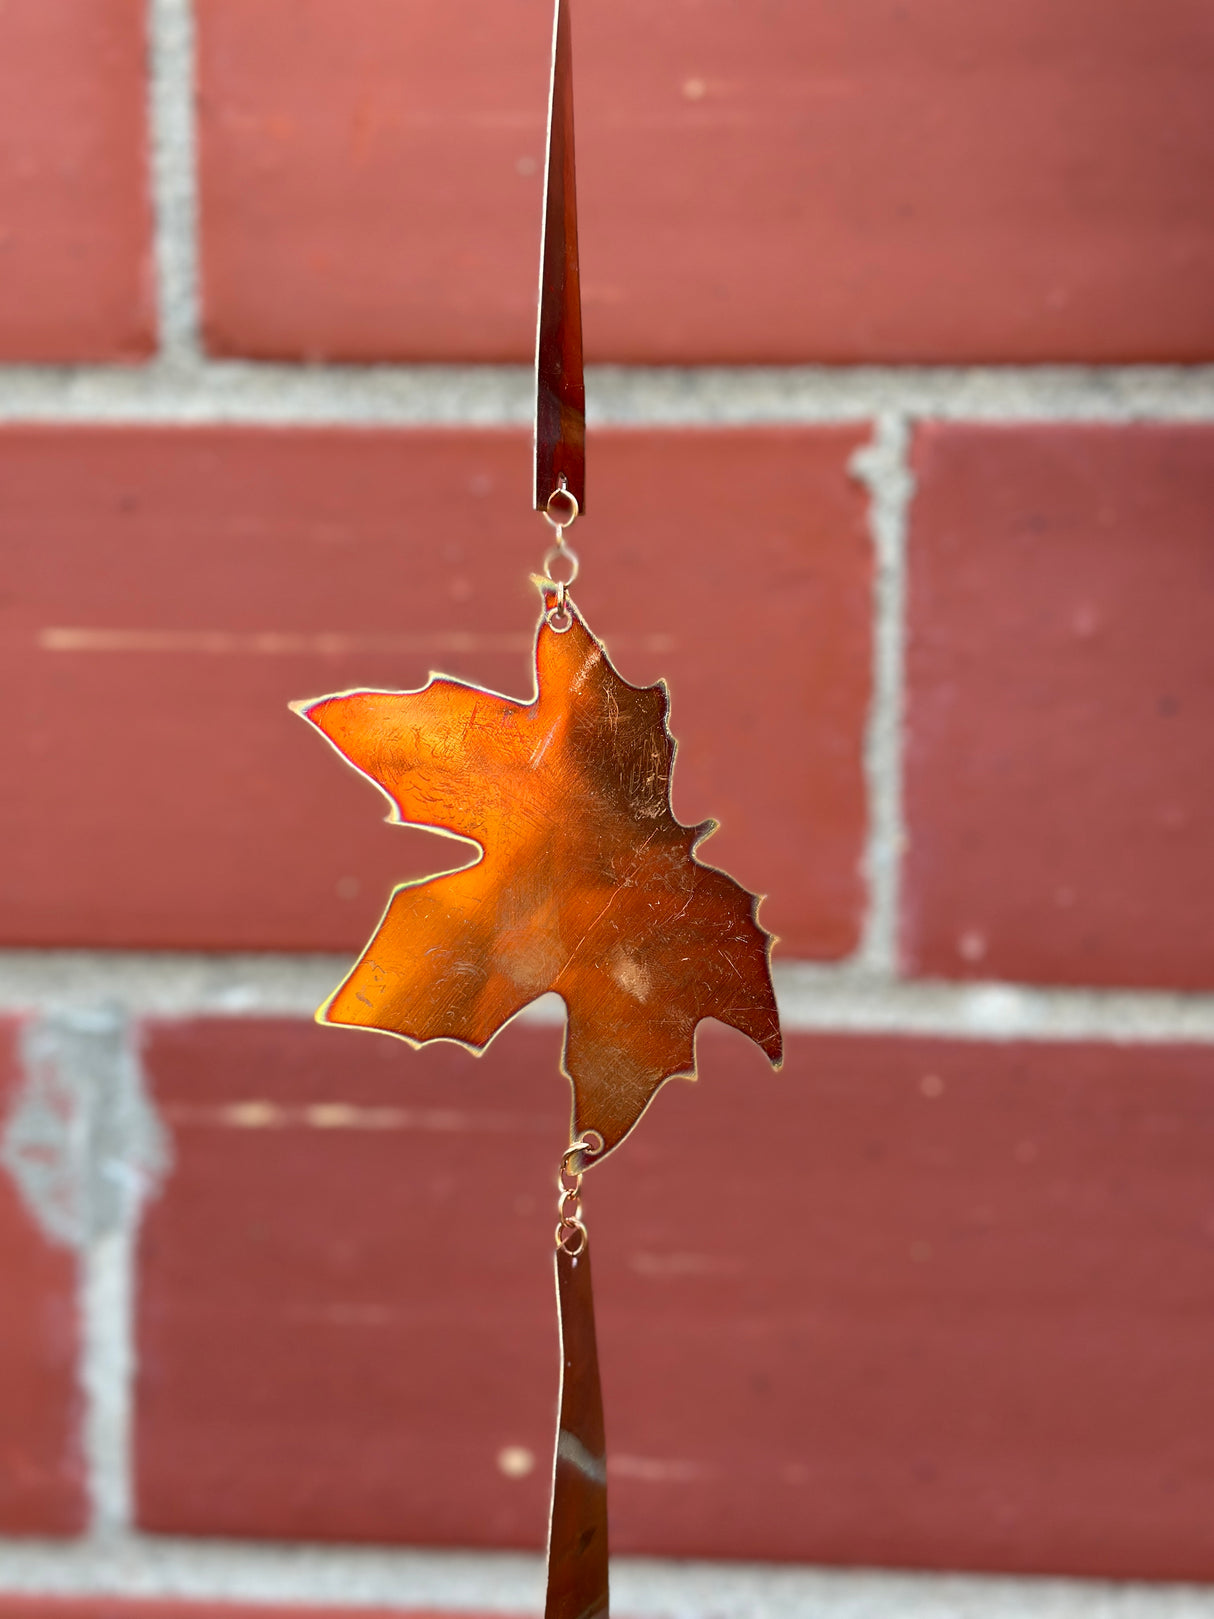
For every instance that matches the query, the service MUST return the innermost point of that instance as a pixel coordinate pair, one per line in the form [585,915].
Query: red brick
[75,238]
[124,1607]
[913,1302]
[42,1489]
[955,180]
[169,798]
[1061,705]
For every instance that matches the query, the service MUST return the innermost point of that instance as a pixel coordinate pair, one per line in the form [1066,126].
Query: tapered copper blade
[577,1538]
[560,389]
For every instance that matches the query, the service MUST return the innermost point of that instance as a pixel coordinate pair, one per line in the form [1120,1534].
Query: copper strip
[577,1538]
[560,390]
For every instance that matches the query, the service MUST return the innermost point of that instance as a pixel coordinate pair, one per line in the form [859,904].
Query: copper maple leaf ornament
[585,883]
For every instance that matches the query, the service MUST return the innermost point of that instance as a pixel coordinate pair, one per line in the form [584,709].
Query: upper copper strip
[560,389]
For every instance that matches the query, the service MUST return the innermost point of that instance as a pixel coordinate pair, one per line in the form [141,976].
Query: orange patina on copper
[586,884]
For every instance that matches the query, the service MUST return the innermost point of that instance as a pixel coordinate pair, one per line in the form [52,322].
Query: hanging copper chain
[571,1230]
[561,512]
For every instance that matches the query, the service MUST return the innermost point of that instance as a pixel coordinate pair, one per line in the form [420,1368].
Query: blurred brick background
[902,472]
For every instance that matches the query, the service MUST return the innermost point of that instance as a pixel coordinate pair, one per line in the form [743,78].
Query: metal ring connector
[561,508]
[553,555]
[568,1235]
[591,1143]
[556,614]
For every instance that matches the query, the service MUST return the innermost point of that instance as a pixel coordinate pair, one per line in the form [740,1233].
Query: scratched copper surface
[577,1535]
[560,392]
[585,883]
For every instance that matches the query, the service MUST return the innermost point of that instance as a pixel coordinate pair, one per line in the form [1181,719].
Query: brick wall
[902,449]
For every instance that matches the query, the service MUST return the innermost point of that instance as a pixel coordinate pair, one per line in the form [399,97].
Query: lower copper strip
[577,1538]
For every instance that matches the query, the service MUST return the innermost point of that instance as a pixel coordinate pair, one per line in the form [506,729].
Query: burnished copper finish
[560,391]
[585,884]
[577,1536]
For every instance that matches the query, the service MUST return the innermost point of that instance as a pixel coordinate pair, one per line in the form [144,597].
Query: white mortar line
[400,1580]
[846,998]
[107,1356]
[848,393]
[83,1147]
[128,1155]
[184,389]
[170,25]
[884,466]
[815,999]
